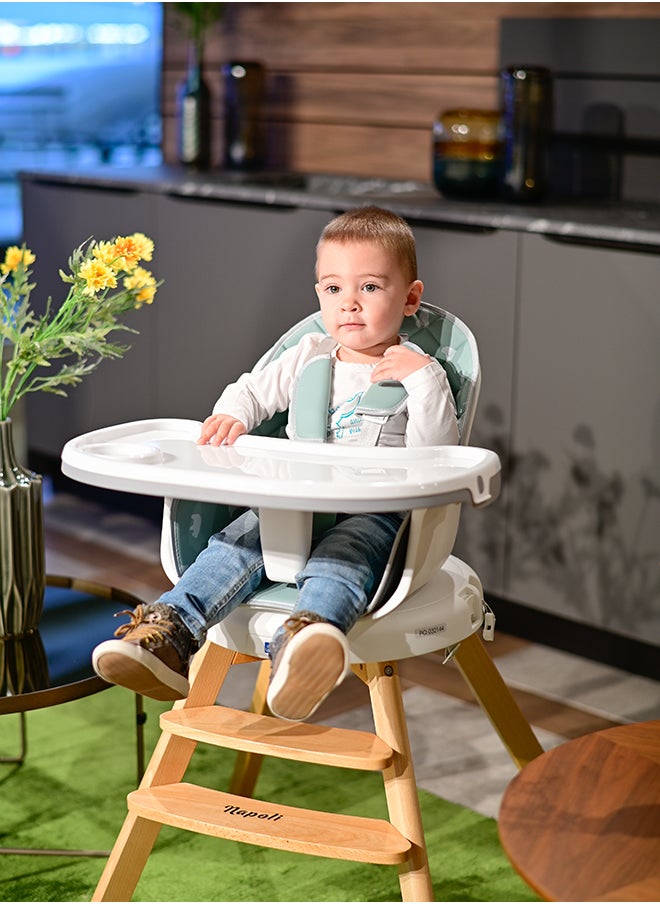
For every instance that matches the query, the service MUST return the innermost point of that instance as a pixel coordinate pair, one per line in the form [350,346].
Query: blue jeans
[340,577]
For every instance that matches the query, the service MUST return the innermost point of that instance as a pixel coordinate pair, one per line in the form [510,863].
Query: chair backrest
[437,332]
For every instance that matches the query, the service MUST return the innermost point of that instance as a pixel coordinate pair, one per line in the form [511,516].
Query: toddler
[367,283]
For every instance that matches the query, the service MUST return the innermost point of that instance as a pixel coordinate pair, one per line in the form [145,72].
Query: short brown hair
[374,224]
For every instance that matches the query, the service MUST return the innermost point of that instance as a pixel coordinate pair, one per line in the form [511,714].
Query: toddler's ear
[414,297]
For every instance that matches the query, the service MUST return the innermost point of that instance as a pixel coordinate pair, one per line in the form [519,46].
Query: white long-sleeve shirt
[428,419]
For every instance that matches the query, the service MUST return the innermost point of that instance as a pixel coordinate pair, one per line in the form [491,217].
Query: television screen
[79,85]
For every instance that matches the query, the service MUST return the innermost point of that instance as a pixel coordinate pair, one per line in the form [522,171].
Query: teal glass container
[467,153]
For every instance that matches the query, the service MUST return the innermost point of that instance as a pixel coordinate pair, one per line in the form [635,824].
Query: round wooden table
[582,821]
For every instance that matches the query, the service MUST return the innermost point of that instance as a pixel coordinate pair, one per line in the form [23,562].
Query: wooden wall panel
[356,150]
[347,150]
[355,87]
[392,37]
[381,37]
[338,97]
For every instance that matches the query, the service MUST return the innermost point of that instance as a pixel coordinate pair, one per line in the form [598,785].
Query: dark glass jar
[527,102]
[194,115]
[467,150]
[244,85]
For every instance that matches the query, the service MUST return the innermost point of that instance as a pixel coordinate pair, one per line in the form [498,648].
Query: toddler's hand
[397,363]
[221,428]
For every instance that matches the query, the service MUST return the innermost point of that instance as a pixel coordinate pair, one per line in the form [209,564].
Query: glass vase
[22,552]
[194,114]
[244,130]
[528,121]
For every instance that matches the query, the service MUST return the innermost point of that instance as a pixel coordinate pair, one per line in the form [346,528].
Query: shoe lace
[295,623]
[159,627]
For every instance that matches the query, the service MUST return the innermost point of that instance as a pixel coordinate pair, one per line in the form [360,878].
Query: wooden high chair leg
[399,778]
[167,765]
[496,699]
[248,765]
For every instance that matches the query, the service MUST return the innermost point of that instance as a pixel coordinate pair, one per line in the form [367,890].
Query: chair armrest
[431,539]
[167,554]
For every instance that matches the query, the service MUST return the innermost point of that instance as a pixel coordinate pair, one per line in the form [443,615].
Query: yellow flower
[107,253]
[127,251]
[104,283]
[144,245]
[97,275]
[143,284]
[13,258]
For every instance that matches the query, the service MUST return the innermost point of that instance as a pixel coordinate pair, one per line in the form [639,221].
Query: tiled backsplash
[606,100]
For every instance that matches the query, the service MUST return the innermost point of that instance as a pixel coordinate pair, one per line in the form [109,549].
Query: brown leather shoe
[308,663]
[152,655]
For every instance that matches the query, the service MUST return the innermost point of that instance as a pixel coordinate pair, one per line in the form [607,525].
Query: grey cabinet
[237,276]
[568,338]
[56,219]
[584,513]
[473,275]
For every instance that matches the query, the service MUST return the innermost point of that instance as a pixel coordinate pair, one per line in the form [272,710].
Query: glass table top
[53,664]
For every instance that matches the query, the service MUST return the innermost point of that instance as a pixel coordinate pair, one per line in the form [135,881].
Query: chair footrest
[266,735]
[244,819]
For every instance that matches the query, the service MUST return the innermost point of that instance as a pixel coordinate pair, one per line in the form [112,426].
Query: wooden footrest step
[271,825]
[255,733]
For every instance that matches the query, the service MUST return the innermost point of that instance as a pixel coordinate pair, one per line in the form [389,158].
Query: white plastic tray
[161,458]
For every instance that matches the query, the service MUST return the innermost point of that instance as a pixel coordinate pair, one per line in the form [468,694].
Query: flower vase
[194,114]
[22,552]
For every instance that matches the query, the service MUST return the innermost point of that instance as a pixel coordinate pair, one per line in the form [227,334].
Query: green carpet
[70,793]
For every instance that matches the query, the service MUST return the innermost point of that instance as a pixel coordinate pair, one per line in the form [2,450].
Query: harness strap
[311,398]
[379,403]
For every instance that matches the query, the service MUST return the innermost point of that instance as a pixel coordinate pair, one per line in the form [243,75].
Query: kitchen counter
[625,225]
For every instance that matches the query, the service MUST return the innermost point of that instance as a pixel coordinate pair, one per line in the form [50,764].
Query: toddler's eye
[370,287]
[332,290]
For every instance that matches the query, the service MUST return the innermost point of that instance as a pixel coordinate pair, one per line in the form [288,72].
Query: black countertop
[626,225]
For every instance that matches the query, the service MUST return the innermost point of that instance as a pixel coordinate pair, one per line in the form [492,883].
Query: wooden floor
[108,565]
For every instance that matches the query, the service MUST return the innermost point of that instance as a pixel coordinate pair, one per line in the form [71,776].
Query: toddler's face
[364,297]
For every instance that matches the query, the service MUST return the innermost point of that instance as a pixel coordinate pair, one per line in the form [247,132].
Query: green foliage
[199,17]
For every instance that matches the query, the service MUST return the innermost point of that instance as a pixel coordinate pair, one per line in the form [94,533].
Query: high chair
[428,601]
